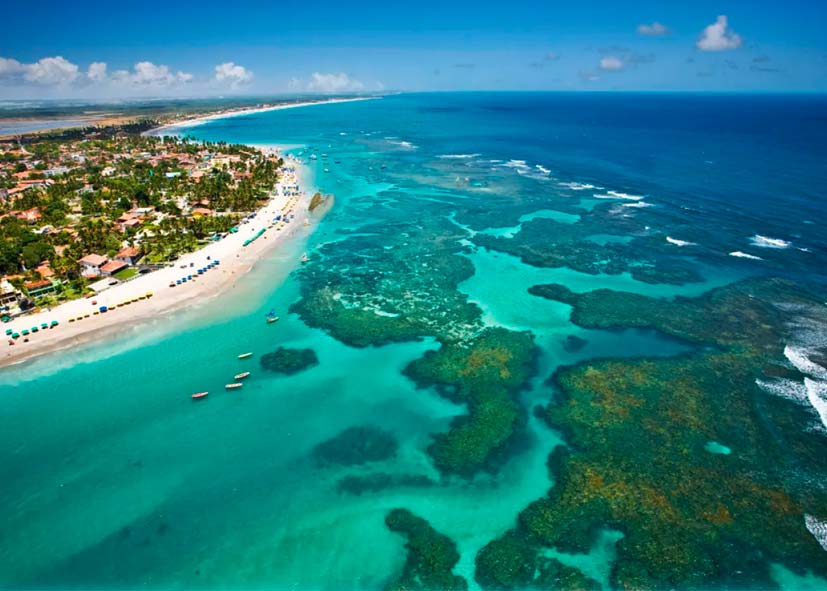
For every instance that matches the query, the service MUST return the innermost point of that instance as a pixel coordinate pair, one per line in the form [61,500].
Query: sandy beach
[200,120]
[81,321]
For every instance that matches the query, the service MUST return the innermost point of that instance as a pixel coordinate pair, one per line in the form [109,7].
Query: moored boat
[233,386]
[245,355]
[241,376]
[199,395]
[272,319]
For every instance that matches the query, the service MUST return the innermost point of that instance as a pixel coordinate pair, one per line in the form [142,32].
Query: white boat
[241,376]
[245,355]
[304,258]
[234,386]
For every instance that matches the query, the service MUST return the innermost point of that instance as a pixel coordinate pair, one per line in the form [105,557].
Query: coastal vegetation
[97,191]
[638,458]
[289,361]
[431,556]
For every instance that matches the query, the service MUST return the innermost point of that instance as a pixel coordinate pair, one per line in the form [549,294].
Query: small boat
[241,376]
[245,355]
[272,319]
[199,395]
[233,386]
[304,258]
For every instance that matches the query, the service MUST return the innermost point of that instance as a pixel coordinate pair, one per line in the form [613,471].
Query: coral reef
[431,556]
[289,361]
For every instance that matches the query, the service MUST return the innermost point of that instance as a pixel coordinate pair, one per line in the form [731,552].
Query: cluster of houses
[22,171]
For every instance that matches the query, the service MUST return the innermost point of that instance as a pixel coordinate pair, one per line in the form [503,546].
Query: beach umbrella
[35,329]
[9,331]
[55,323]
[44,325]
[15,335]
[103,308]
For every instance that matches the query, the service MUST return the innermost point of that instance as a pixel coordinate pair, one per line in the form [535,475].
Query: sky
[97,49]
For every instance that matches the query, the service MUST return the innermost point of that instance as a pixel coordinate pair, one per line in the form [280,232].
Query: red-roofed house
[129,255]
[113,267]
[90,265]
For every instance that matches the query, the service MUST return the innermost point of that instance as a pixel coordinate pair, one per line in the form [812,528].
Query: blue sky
[89,48]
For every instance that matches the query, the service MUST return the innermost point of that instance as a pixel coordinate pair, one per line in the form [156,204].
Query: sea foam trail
[457,156]
[617,195]
[817,396]
[678,242]
[637,204]
[818,528]
[578,186]
[766,242]
[744,255]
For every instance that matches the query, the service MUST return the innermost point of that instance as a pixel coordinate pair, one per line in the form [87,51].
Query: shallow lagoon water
[129,484]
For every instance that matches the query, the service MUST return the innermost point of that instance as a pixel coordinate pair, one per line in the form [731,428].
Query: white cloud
[718,37]
[331,83]
[611,63]
[232,74]
[96,72]
[10,68]
[149,75]
[655,29]
[51,71]
[552,56]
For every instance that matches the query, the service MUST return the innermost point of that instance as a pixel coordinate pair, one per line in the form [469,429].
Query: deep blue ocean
[111,477]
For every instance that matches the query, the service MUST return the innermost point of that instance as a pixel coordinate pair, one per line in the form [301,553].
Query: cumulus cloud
[719,37]
[654,29]
[96,72]
[10,68]
[611,63]
[48,71]
[232,74]
[332,83]
[149,75]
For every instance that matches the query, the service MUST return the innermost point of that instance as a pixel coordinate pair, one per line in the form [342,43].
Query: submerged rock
[289,361]
[355,484]
[357,445]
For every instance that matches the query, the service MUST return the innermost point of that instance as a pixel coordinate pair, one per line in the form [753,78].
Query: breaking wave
[618,195]
[457,156]
[678,242]
[766,242]
[818,528]
[578,186]
[744,255]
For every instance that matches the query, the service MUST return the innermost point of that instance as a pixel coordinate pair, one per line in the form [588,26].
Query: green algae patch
[289,361]
[486,374]
[638,463]
[431,556]
[356,446]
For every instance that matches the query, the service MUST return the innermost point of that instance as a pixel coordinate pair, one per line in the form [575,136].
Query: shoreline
[235,261]
[201,119]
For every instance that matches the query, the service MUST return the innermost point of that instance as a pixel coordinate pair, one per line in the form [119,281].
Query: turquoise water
[113,477]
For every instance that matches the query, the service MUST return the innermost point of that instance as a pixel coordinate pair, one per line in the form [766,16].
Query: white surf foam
[767,242]
[637,204]
[457,156]
[818,528]
[744,255]
[578,186]
[678,242]
[784,388]
[517,164]
[618,195]
[798,357]
[817,397]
